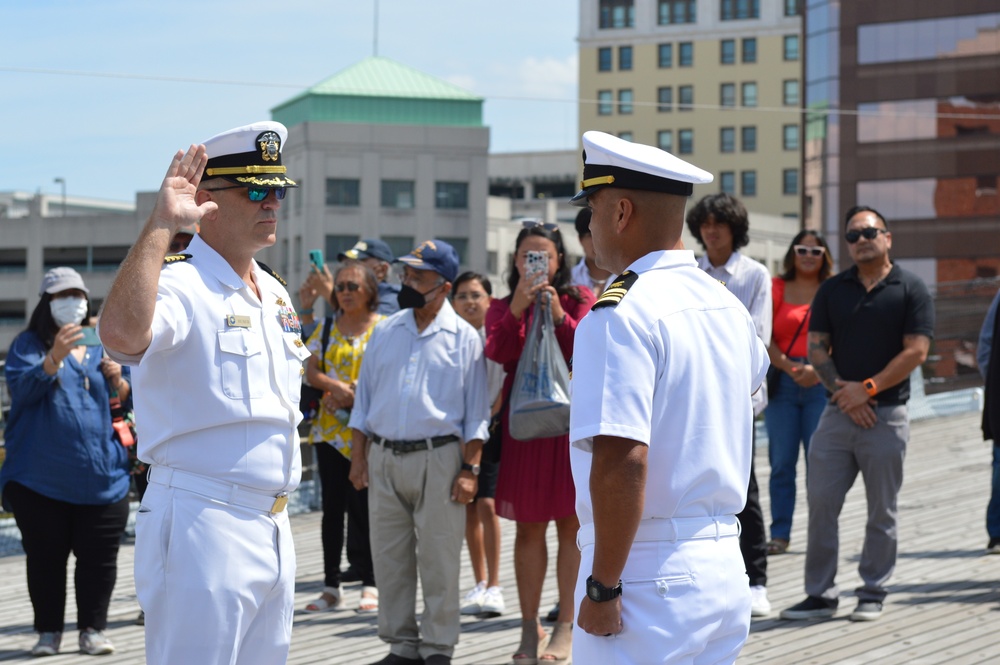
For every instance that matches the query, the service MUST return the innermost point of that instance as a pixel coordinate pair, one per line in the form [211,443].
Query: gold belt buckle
[280,501]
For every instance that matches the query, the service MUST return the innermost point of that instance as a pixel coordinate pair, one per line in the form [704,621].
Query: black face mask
[409,298]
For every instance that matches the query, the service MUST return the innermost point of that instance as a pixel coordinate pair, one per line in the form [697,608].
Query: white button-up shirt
[421,384]
[214,395]
[750,282]
[671,366]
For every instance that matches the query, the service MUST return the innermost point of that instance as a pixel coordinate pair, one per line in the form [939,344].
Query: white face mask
[68,310]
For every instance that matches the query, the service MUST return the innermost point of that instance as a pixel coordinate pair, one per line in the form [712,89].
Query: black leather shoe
[393,659]
[553,614]
[438,659]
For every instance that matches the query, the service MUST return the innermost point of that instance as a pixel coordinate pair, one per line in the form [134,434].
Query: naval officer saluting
[660,426]
[218,357]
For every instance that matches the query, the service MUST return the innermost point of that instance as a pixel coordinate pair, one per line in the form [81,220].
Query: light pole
[62,181]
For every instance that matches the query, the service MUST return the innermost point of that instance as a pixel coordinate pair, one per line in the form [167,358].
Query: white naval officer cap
[609,161]
[249,155]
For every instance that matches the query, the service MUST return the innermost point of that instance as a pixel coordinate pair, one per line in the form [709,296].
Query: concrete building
[714,82]
[382,150]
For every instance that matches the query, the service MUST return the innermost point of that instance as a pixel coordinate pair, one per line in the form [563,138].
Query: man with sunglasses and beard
[217,362]
[420,417]
[871,326]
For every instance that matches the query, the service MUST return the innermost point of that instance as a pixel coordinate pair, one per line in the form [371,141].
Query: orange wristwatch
[870,387]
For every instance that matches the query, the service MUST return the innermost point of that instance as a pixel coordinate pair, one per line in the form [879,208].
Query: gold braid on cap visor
[239,170]
[600,180]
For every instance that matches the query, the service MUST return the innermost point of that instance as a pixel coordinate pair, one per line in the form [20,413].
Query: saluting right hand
[175,204]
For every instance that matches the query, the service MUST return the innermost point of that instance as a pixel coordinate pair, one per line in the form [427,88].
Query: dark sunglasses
[347,286]
[534,223]
[806,250]
[255,194]
[869,232]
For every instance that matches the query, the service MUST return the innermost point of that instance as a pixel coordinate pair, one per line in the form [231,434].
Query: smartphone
[536,267]
[316,258]
[90,337]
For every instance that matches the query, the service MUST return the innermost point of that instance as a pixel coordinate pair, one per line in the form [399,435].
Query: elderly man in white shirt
[420,417]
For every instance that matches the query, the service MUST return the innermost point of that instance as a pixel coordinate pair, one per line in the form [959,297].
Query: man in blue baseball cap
[420,416]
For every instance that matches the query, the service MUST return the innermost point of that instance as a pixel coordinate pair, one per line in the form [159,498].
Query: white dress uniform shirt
[670,366]
[407,388]
[750,282]
[217,396]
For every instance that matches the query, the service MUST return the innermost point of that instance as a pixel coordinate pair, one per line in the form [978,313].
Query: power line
[794,110]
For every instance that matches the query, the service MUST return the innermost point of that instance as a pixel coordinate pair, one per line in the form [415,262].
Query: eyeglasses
[534,223]
[347,286]
[473,296]
[869,232]
[806,250]
[255,194]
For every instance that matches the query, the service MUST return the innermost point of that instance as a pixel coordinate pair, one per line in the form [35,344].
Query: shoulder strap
[267,269]
[798,330]
[175,258]
[327,325]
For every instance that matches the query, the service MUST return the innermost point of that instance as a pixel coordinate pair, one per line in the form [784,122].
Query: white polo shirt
[672,366]
[215,395]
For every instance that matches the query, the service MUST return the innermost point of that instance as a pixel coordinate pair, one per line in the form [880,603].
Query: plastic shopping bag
[539,397]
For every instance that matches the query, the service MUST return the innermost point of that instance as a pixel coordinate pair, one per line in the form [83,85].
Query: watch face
[594,594]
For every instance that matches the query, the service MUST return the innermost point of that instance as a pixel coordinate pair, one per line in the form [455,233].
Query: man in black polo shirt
[871,326]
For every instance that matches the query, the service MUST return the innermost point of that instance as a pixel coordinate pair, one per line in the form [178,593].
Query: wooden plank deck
[943,607]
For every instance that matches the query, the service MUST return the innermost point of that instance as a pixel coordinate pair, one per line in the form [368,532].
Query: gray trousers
[409,502]
[838,450]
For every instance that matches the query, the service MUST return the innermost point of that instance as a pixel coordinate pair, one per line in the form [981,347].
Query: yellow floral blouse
[343,363]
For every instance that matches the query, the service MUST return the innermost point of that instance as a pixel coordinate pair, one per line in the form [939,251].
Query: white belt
[673,529]
[217,489]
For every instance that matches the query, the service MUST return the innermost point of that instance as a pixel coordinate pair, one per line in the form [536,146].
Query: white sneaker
[492,603]
[473,601]
[48,644]
[95,643]
[760,606]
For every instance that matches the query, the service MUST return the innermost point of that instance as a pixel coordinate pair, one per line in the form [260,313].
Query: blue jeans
[993,509]
[791,416]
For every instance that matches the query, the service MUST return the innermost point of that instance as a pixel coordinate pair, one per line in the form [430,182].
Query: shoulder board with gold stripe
[273,274]
[175,258]
[614,293]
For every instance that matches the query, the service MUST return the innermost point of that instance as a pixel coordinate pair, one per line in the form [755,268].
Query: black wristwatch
[599,593]
[474,468]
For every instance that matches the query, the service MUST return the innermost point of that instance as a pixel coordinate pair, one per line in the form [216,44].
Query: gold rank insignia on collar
[614,293]
[175,258]
[272,274]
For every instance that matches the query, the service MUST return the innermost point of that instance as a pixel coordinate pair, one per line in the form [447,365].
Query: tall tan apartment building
[716,82]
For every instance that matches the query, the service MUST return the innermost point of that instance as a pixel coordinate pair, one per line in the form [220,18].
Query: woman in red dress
[535,484]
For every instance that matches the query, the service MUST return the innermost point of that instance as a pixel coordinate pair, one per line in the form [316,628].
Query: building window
[748,94]
[790,93]
[790,137]
[791,47]
[748,183]
[685,141]
[461,246]
[750,49]
[676,11]
[616,14]
[685,57]
[400,245]
[451,195]
[727,139]
[792,7]
[397,194]
[727,55]
[604,106]
[625,136]
[748,139]
[624,58]
[343,192]
[338,244]
[665,140]
[666,56]
[790,182]
[625,101]
[664,100]
[734,10]
[604,59]
[727,182]
[727,94]
[685,97]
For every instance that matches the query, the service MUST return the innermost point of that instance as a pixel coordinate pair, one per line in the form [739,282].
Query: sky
[102,93]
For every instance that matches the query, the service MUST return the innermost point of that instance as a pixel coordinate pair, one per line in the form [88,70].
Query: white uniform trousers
[685,602]
[215,580]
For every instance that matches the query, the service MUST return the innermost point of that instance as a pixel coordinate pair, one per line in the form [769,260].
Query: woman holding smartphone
[66,475]
[535,485]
